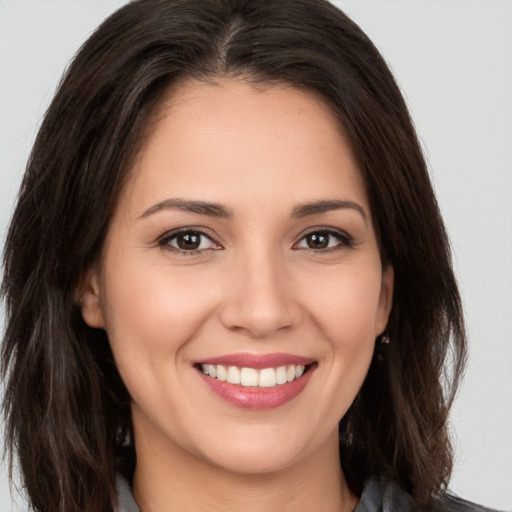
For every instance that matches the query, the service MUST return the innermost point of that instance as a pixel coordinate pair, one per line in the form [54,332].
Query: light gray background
[453,60]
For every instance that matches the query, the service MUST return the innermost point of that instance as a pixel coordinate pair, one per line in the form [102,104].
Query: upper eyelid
[188,229]
[215,239]
[325,229]
[345,239]
[163,240]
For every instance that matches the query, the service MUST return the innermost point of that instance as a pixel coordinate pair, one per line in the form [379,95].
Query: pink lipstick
[254,381]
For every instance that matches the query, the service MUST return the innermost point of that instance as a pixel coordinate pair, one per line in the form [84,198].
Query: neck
[175,480]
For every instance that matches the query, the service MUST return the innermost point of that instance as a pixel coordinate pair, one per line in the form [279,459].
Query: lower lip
[252,397]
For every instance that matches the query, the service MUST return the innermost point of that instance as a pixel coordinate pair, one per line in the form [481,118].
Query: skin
[254,285]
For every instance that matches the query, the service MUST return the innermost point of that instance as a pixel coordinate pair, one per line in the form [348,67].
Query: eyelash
[164,241]
[344,240]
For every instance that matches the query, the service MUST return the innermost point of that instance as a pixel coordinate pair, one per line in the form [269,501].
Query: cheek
[345,304]
[152,311]
[346,310]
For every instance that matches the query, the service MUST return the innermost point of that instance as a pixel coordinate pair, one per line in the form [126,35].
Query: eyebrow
[217,210]
[199,207]
[316,207]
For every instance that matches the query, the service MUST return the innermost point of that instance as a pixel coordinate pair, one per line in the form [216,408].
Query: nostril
[258,322]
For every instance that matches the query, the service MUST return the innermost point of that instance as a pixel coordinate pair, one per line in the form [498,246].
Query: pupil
[318,240]
[189,242]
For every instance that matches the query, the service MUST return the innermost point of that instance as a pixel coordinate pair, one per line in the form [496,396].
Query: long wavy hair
[67,411]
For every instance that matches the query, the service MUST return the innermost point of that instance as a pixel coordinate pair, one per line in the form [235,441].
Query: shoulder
[378,496]
[381,495]
[456,504]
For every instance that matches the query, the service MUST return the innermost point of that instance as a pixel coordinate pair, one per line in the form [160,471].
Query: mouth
[256,382]
[253,377]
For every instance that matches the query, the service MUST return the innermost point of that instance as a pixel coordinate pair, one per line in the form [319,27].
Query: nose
[260,299]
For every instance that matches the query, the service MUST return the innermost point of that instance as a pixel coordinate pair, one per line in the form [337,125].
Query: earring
[384,340]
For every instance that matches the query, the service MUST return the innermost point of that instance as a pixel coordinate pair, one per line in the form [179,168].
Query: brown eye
[324,240]
[188,241]
[318,240]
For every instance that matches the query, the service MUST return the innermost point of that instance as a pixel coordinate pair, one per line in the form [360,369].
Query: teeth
[233,375]
[281,376]
[265,378]
[222,374]
[249,377]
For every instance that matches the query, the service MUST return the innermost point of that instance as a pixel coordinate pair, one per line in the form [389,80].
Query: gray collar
[383,496]
[126,503]
[377,497]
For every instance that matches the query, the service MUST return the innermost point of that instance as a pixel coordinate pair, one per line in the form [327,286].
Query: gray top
[125,497]
[378,496]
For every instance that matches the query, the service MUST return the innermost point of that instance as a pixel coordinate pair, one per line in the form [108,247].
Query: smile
[263,378]
[256,382]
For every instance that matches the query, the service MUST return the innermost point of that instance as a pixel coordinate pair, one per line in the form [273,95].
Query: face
[241,285]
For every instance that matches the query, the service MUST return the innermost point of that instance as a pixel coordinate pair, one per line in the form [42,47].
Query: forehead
[232,141]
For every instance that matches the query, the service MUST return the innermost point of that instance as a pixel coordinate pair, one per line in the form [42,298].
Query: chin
[250,461]
[266,453]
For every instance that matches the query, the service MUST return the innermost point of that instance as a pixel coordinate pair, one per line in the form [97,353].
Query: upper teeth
[265,378]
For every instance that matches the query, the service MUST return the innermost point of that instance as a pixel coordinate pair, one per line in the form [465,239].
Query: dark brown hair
[67,411]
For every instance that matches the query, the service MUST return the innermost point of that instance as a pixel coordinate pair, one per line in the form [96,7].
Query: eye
[324,239]
[188,241]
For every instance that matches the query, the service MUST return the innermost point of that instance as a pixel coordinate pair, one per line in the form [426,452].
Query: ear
[88,297]
[385,299]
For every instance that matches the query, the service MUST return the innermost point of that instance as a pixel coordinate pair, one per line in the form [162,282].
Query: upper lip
[257,361]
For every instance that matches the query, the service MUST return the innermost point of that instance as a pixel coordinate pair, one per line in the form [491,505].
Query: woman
[212,274]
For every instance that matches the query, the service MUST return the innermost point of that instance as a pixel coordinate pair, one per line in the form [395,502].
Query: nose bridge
[259,302]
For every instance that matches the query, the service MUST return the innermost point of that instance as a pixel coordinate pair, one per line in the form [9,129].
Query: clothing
[385,496]
[126,503]
[377,496]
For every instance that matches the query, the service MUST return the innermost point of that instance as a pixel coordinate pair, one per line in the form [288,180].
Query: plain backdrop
[453,60]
